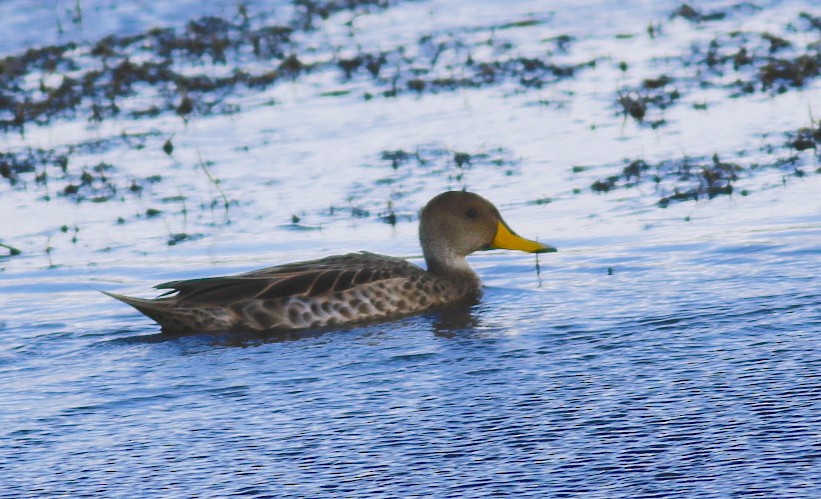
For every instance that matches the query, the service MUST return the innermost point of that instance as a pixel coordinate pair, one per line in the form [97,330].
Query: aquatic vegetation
[742,62]
[806,138]
[65,171]
[694,178]
[94,80]
[10,250]
[696,16]
[658,93]
[149,82]
[402,172]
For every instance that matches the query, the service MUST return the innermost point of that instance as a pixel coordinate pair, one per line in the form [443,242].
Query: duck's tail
[155,309]
[176,317]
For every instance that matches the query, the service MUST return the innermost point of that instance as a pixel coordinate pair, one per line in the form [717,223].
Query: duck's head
[455,224]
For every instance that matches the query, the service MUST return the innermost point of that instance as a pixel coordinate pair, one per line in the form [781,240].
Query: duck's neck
[452,267]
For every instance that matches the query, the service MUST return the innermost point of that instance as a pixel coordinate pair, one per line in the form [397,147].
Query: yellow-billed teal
[348,288]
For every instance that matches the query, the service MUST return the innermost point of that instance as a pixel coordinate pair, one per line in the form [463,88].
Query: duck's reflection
[455,320]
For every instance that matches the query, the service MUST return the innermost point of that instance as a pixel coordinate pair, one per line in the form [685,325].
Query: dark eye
[471,213]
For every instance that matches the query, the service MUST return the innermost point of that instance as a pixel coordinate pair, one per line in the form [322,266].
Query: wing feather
[311,279]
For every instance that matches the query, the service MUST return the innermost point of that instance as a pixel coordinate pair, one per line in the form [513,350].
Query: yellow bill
[507,239]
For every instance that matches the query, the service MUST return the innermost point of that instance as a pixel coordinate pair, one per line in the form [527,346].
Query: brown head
[455,224]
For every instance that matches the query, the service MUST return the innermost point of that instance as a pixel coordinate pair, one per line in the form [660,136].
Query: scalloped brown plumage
[348,288]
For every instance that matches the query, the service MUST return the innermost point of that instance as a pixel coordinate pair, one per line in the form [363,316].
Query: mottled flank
[331,291]
[344,289]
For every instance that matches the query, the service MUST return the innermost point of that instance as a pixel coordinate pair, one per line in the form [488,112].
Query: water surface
[662,352]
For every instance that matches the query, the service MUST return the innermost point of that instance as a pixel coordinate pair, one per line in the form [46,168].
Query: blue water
[660,353]
[693,369]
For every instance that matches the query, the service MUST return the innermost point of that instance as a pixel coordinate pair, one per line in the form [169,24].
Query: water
[660,353]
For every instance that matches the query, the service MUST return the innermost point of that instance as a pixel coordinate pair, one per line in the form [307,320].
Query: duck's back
[331,291]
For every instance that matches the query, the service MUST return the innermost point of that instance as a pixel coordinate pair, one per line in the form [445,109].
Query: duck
[345,289]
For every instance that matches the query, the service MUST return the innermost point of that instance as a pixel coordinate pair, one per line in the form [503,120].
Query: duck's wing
[308,279]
